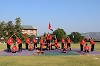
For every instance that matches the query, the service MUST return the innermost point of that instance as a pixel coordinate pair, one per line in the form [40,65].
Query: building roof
[28,27]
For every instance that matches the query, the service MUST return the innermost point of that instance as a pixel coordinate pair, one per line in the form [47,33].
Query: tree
[59,34]
[2,29]
[75,37]
[9,28]
[18,28]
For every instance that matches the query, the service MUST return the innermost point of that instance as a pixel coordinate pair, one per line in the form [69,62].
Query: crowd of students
[32,45]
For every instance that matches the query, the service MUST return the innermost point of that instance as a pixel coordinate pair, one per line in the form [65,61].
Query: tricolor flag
[49,27]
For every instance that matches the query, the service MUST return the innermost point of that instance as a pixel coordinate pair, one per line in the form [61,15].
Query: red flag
[49,27]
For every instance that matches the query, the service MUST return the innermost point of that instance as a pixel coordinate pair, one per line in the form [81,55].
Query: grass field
[64,60]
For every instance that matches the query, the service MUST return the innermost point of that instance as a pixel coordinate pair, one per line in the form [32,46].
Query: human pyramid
[32,45]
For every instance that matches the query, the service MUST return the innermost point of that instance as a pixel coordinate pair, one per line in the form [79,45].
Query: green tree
[18,29]
[2,29]
[75,37]
[9,28]
[59,34]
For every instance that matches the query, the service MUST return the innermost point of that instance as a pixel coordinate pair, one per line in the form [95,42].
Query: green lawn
[67,60]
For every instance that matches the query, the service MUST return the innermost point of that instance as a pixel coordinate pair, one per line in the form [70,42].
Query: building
[28,29]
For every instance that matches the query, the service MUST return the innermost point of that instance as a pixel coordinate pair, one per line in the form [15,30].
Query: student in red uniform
[82,44]
[48,38]
[14,49]
[19,44]
[35,43]
[9,42]
[30,47]
[56,44]
[27,42]
[92,44]
[42,45]
[62,44]
[68,43]
[86,48]
[41,42]
[65,49]
[36,52]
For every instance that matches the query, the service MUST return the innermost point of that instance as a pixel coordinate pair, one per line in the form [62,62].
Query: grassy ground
[49,60]
[67,60]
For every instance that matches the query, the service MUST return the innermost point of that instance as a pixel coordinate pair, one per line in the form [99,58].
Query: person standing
[82,44]
[62,44]
[48,38]
[41,42]
[35,43]
[92,44]
[27,42]
[9,42]
[19,44]
[68,43]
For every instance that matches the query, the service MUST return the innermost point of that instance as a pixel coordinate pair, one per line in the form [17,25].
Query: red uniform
[65,47]
[10,41]
[63,40]
[92,42]
[48,37]
[14,49]
[34,41]
[28,40]
[86,48]
[41,41]
[42,45]
[82,42]
[68,41]
[56,45]
[18,41]
[31,47]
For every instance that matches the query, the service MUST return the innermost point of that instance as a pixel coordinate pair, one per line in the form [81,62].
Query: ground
[53,60]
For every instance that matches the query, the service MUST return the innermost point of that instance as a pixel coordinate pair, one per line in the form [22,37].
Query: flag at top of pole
[49,27]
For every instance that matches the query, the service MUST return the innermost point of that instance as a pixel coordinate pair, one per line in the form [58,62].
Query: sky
[71,15]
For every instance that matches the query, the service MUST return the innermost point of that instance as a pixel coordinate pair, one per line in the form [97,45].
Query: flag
[49,27]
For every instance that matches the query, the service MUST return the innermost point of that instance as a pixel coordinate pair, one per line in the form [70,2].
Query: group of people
[86,47]
[14,48]
[32,45]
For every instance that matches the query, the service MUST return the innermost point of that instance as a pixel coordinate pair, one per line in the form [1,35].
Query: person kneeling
[86,48]
[56,46]
[14,49]
[65,49]
[30,47]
